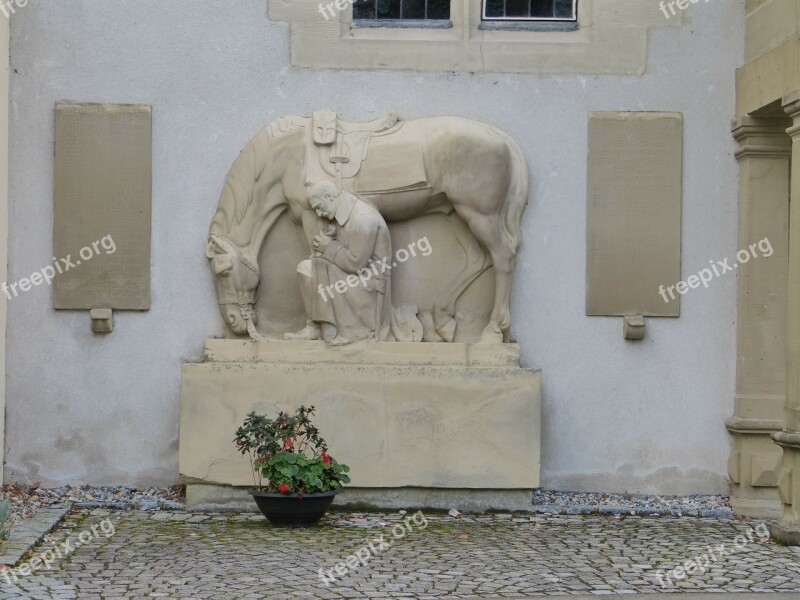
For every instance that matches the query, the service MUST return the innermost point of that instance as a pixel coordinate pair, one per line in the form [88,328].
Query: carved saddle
[374,157]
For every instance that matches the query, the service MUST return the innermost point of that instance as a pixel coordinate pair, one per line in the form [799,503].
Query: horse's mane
[240,188]
[286,125]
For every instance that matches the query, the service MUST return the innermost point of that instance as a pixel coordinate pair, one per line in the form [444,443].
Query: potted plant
[295,478]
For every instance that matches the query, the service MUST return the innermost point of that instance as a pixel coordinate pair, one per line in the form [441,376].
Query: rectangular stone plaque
[102,206]
[633,213]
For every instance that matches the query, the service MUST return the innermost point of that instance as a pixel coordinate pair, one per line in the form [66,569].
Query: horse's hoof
[447,331]
[491,335]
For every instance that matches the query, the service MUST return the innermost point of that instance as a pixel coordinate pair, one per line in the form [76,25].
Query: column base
[785,532]
[756,508]
[754,462]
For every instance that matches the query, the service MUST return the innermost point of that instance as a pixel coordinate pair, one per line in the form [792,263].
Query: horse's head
[236,279]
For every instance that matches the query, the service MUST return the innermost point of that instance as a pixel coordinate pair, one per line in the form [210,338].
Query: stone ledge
[787,439]
[362,353]
[29,533]
[785,532]
[218,498]
[753,425]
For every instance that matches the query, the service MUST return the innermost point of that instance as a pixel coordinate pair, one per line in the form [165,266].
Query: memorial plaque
[633,220]
[102,206]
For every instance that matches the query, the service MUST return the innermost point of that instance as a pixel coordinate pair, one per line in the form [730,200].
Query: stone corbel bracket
[102,320]
[633,327]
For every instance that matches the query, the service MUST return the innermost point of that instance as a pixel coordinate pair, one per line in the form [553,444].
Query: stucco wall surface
[618,416]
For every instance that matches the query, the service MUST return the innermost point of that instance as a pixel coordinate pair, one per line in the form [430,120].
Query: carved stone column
[787,529]
[764,155]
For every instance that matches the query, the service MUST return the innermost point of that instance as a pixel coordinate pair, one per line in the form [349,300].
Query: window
[401,9]
[530,10]
[608,36]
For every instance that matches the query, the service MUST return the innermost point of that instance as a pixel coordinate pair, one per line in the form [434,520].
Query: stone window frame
[611,37]
[529,19]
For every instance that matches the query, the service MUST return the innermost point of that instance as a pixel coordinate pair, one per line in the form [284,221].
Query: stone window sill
[509,25]
[403,23]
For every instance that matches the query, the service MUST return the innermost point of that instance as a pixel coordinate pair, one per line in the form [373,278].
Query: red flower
[287,443]
[260,459]
[283,488]
[325,458]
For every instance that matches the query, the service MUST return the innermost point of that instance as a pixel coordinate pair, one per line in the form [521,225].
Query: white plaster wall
[5,39]
[644,417]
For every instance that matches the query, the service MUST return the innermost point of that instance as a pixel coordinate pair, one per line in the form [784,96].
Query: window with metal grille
[401,9]
[530,10]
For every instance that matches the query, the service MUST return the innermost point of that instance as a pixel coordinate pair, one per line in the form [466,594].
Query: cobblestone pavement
[185,555]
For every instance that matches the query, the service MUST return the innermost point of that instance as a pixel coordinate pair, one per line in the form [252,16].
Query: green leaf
[301,467]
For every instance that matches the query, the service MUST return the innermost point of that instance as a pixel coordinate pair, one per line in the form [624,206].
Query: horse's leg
[504,260]
[488,230]
[499,322]
[444,307]
[484,175]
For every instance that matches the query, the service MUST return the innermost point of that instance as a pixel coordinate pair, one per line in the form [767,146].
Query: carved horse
[471,168]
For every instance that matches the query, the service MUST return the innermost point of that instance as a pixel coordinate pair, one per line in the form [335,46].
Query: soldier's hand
[321,241]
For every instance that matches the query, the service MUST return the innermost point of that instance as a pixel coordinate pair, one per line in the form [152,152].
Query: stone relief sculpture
[341,182]
[345,287]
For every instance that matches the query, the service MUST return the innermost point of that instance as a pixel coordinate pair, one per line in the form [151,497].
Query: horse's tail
[516,196]
[241,183]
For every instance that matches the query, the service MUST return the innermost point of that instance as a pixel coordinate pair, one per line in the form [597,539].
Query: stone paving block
[174,555]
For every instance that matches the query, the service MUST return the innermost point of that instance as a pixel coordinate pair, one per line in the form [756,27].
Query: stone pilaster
[764,154]
[787,529]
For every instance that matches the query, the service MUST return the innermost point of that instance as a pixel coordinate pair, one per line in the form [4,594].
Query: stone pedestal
[421,416]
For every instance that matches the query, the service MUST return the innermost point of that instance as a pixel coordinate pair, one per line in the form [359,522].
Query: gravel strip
[27,500]
[574,503]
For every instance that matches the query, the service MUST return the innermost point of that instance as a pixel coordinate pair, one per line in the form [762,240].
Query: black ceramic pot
[292,510]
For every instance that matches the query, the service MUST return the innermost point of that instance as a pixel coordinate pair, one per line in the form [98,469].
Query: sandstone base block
[400,415]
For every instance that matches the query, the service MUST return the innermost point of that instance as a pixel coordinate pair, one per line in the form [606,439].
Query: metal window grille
[401,9]
[530,10]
